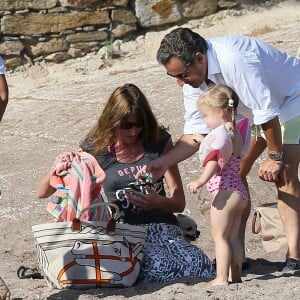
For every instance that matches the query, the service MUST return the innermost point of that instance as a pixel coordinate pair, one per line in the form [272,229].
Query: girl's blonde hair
[220,96]
[124,101]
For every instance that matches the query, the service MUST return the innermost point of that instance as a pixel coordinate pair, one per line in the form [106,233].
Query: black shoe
[291,265]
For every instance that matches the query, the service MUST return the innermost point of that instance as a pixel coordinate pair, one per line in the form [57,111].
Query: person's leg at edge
[4,291]
[289,200]
[222,217]
[289,192]
[256,147]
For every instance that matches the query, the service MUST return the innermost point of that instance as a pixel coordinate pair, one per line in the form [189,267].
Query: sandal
[24,272]
[4,291]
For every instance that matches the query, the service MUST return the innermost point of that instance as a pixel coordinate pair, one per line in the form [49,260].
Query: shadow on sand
[266,270]
[138,289]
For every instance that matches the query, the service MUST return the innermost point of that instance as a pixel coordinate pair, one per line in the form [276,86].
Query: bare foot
[212,283]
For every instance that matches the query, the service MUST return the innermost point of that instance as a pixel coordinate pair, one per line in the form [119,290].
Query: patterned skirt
[168,256]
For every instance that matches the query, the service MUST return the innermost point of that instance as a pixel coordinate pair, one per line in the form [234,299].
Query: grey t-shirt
[119,175]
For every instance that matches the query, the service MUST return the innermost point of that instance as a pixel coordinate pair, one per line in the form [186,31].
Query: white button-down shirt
[266,80]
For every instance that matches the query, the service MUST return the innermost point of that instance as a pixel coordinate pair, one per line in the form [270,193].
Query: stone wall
[57,30]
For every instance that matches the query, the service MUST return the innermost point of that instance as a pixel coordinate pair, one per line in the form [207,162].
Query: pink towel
[81,184]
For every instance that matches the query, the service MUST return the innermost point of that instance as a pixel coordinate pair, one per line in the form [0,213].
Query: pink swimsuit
[217,145]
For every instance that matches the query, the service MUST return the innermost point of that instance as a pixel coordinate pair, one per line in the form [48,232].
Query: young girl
[220,153]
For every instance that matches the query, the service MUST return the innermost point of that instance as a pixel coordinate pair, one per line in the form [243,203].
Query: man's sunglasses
[130,125]
[181,76]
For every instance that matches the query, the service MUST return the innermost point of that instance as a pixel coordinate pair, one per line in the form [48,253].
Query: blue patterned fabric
[168,256]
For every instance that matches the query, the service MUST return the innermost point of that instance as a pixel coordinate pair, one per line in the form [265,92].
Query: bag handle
[111,224]
[254,229]
[113,205]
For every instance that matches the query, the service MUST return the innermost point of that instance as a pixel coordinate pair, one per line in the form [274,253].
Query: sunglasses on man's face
[130,125]
[182,76]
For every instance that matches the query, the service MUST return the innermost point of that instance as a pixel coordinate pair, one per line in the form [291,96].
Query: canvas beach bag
[266,220]
[90,254]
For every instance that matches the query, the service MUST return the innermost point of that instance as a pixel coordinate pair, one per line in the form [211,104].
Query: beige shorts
[290,131]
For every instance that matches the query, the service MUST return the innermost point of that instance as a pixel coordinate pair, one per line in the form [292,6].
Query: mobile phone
[138,186]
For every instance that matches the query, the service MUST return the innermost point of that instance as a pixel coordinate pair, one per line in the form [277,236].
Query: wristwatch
[276,156]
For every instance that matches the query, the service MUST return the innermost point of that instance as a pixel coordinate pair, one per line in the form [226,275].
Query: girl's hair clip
[230,102]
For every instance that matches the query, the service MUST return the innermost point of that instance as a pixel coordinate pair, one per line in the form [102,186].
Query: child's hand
[193,186]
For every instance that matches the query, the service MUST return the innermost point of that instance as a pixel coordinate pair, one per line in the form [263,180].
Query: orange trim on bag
[97,262]
[97,257]
[86,281]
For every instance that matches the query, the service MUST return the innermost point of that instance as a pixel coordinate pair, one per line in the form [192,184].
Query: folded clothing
[78,186]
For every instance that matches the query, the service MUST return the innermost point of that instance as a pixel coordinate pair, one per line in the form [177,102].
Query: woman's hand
[67,158]
[149,200]
[62,162]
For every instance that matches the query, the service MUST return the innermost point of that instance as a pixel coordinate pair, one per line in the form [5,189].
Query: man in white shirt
[3,89]
[268,84]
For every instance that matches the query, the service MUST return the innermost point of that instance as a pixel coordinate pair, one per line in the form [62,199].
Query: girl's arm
[209,171]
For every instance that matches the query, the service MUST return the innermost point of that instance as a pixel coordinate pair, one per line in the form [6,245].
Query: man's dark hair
[182,43]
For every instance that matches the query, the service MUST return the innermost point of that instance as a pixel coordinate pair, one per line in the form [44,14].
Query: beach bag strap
[255,229]
[111,224]
[271,228]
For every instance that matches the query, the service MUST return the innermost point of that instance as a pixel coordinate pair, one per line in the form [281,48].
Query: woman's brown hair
[124,101]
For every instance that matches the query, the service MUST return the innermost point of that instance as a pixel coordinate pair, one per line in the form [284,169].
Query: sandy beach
[52,107]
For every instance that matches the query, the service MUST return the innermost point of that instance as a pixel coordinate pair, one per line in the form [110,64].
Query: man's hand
[155,169]
[269,170]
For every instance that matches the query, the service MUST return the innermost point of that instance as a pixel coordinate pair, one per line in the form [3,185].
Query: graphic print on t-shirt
[125,204]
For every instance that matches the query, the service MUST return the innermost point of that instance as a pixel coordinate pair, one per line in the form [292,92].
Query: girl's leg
[236,244]
[223,215]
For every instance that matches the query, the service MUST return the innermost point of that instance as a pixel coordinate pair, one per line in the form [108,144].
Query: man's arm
[186,146]
[270,168]
[3,95]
